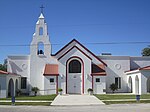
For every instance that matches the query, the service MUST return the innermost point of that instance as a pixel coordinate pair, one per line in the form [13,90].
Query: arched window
[74,66]
[40,48]
[41,31]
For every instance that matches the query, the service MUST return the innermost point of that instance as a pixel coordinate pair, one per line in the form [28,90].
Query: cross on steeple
[42,8]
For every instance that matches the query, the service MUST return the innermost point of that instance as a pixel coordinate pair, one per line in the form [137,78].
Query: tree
[113,87]
[4,65]
[146,51]
[35,90]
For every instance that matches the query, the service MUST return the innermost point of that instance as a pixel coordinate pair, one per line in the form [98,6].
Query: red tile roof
[99,74]
[7,73]
[143,68]
[3,72]
[51,70]
[98,70]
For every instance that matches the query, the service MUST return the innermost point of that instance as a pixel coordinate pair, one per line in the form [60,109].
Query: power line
[74,25]
[120,43]
[98,43]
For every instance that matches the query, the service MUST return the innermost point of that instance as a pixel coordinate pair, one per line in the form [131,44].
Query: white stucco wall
[37,70]
[3,89]
[99,87]
[133,75]
[116,66]
[145,74]
[50,88]
[21,66]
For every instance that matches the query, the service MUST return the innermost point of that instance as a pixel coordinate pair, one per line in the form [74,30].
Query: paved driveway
[100,108]
[76,100]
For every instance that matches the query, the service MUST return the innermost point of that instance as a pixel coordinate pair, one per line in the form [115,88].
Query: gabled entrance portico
[75,76]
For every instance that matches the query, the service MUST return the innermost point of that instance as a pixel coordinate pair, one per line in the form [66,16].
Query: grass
[27,103]
[34,98]
[122,97]
[115,97]
[125,102]
[42,97]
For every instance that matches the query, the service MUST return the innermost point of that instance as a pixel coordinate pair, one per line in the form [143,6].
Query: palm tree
[35,90]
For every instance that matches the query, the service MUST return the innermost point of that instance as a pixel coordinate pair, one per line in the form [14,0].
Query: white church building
[73,68]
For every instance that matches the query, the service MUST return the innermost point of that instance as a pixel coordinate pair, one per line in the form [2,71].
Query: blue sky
[88,21]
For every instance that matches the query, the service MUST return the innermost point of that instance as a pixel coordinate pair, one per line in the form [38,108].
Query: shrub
[90,90]
[113,87]
[60,90]
[35,90]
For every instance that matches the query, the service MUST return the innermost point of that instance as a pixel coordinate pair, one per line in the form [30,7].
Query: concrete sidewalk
[76,100]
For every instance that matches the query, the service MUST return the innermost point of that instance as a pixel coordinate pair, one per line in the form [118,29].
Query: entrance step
[76,100]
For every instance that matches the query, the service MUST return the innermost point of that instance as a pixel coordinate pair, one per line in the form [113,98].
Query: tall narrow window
[23,82]
[74,66]
[41,31]
[118,82]
[40,48]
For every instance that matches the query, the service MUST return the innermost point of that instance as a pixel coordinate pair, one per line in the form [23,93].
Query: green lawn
[122,97]
[42,97]
[27,103]
[125,102]
[115,97]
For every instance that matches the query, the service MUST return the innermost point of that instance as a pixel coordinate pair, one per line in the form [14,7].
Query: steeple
[40,37]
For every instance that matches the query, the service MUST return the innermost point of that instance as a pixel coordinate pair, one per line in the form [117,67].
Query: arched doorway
[74,76]
[148,85]
[11,88]
[16,87]
[130,84]
[136,85]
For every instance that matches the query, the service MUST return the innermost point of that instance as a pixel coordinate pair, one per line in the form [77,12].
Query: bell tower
[40,44]
[40,54]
